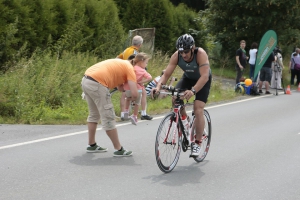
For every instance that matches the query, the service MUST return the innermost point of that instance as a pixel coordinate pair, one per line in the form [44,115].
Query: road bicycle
[172,136]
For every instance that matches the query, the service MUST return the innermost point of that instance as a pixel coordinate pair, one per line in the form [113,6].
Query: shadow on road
[90,159]
[181,175]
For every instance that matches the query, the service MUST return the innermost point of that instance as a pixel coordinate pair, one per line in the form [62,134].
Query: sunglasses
[186,51]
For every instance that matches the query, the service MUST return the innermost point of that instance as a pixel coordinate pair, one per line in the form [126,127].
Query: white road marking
[118,125]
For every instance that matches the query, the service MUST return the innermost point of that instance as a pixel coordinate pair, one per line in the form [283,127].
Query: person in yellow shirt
[96,85]
[137,42]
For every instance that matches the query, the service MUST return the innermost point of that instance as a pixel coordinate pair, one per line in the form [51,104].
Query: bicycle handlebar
[174,92]
[172,89]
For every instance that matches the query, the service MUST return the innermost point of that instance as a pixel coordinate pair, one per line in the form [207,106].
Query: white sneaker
[195,150]
[126,114]
[133,120]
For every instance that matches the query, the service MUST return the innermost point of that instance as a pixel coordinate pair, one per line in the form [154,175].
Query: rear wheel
[168,144]
[206,137]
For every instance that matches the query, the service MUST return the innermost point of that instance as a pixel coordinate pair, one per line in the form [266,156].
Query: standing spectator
[241,61]
[252,54]
[142,76]
[266,74]
[137,42]
[291,65]
[95,84]
[296,65]
[277,68]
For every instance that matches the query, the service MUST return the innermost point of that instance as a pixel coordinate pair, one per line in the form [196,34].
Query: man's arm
[169,71]
[133,89]
[204,69]
[120,88]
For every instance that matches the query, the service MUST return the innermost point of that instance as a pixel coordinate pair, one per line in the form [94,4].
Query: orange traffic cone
[288,90]
[298,87]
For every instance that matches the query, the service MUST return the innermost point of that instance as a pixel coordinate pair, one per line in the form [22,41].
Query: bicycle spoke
[206,137]
[167,145]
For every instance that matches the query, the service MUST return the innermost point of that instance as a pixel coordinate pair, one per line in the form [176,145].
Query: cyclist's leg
[199,104]
[199,123]
[199,118]
[186,84]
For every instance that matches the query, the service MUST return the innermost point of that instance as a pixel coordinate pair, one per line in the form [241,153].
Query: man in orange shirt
[97,81]
[137,42]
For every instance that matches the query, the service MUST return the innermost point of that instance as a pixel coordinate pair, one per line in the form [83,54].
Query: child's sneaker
[95,149]
[124,116]
[122,152]
[133,119]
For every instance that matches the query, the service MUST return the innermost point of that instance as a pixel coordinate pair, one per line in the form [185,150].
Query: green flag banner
[267,43]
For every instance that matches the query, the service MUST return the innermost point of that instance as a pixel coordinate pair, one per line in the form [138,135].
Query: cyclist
[196,79]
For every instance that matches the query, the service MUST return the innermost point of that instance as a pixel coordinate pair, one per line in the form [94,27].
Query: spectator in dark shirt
[241,61]
[266,73]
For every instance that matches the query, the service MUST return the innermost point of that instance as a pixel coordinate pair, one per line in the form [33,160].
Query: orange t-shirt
[112,72]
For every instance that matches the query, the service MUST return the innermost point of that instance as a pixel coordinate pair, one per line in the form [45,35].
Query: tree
[233,20]
[186,21]
[149,14]
[195,5]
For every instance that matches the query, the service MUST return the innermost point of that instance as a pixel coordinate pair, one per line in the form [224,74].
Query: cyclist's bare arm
[168,72]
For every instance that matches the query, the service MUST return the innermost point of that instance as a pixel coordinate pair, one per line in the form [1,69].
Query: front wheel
[168,144]
[206,137]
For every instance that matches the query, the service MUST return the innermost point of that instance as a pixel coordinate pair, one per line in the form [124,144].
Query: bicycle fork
[173,141]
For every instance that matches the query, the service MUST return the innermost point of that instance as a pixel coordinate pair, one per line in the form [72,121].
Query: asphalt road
[254,154]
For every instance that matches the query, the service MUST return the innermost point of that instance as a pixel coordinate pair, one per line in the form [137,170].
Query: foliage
[233,20]
[44,85]
[148,14]
[186,21]
[176,21]
[45,90]
[192,4]
[72,25]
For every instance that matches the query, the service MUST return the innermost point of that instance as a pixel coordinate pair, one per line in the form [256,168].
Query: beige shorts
[138,99]
[99,102]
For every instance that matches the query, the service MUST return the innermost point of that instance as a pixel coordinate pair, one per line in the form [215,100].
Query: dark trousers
[252,69]
[293,75]
[239,74]
[297,72]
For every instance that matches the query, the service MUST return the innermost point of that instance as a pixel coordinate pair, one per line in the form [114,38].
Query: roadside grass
[46,90]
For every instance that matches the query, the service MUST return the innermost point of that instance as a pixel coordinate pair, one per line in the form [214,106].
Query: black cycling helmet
[184,42]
